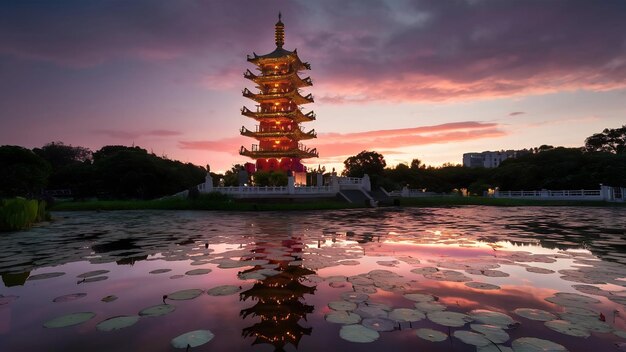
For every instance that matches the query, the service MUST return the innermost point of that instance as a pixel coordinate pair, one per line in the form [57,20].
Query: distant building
[490,159]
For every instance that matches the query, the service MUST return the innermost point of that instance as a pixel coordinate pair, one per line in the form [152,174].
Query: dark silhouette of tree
[22,172]
[59,155]
[365,162]
[610,140]
[416,164]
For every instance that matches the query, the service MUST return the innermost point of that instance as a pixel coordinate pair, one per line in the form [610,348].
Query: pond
[404,279]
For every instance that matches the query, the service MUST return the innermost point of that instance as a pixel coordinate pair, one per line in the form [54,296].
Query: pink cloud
[332,145]
[120,134]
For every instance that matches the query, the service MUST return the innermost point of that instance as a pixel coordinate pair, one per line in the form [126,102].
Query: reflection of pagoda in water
[279,299]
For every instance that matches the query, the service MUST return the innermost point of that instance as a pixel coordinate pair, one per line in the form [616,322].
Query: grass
[499,202]
[217,202]
[202,203]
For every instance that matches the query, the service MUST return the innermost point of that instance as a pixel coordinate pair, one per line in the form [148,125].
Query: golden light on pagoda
[279,99]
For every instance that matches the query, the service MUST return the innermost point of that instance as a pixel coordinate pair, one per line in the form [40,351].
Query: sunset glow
[409,79]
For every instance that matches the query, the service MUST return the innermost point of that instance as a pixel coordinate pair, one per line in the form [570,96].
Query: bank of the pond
[285,204]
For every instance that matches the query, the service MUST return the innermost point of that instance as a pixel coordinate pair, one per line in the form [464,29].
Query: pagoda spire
[280,32]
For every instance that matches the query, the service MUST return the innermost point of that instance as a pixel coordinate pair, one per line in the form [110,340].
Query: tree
[610,140]
[60,155]
[416,164]
[365,162]
[22,172]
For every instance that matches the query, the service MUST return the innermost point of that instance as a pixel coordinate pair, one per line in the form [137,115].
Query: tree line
[602,160]
[113,172]
[122,172]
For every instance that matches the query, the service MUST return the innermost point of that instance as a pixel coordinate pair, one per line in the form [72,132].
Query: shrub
[20,213]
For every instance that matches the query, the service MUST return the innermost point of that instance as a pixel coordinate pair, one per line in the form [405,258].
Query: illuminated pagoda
[278,111]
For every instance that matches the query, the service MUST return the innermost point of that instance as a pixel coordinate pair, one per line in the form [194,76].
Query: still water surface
[521,278]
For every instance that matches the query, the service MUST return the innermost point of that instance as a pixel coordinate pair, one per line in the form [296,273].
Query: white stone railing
[547,193]
[605,193]
[335,186]
[350,180]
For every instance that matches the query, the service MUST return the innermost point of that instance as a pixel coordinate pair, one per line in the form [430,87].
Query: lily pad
[184,295]
[69,297]
[533,344]
[534,314]
[342,317]
[537,270]
[428,307]
[342,305]
[45,276]
[192,339]
[494,333]
[160,271]
[491,318]
[117,323]
[157,311]
[471,338]
[109,298]
[223,290]
[94,279]
[482,285]
[406,315]
[92,273]
[354,297]
[371,312]
[431,335]
[567,328]
[358,333]
[379,324]
[419,297]
[571,299]
[69,320]
[451,319]
[198,272]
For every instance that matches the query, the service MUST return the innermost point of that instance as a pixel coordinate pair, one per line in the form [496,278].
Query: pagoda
[278,111]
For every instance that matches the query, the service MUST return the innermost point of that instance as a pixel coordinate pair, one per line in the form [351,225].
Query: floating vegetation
[92,273]
[358,333]
[493,333]
[198,272]
[571,299]
[406,315]
[223,290]
[69,297]
[69,320]
[184,295]
[482,285]
[192,339]
[431,335]
[45,276]
[492,318]
[160,271]
[534,314]
[342,317]
[117,323]
[93,279]
[471,338]
[450,319]
[342,305]
[379,324]
[109,298]
[355,297]
[157,311]
[533,344]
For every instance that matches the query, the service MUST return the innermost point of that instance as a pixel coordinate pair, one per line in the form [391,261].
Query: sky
[409,79]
